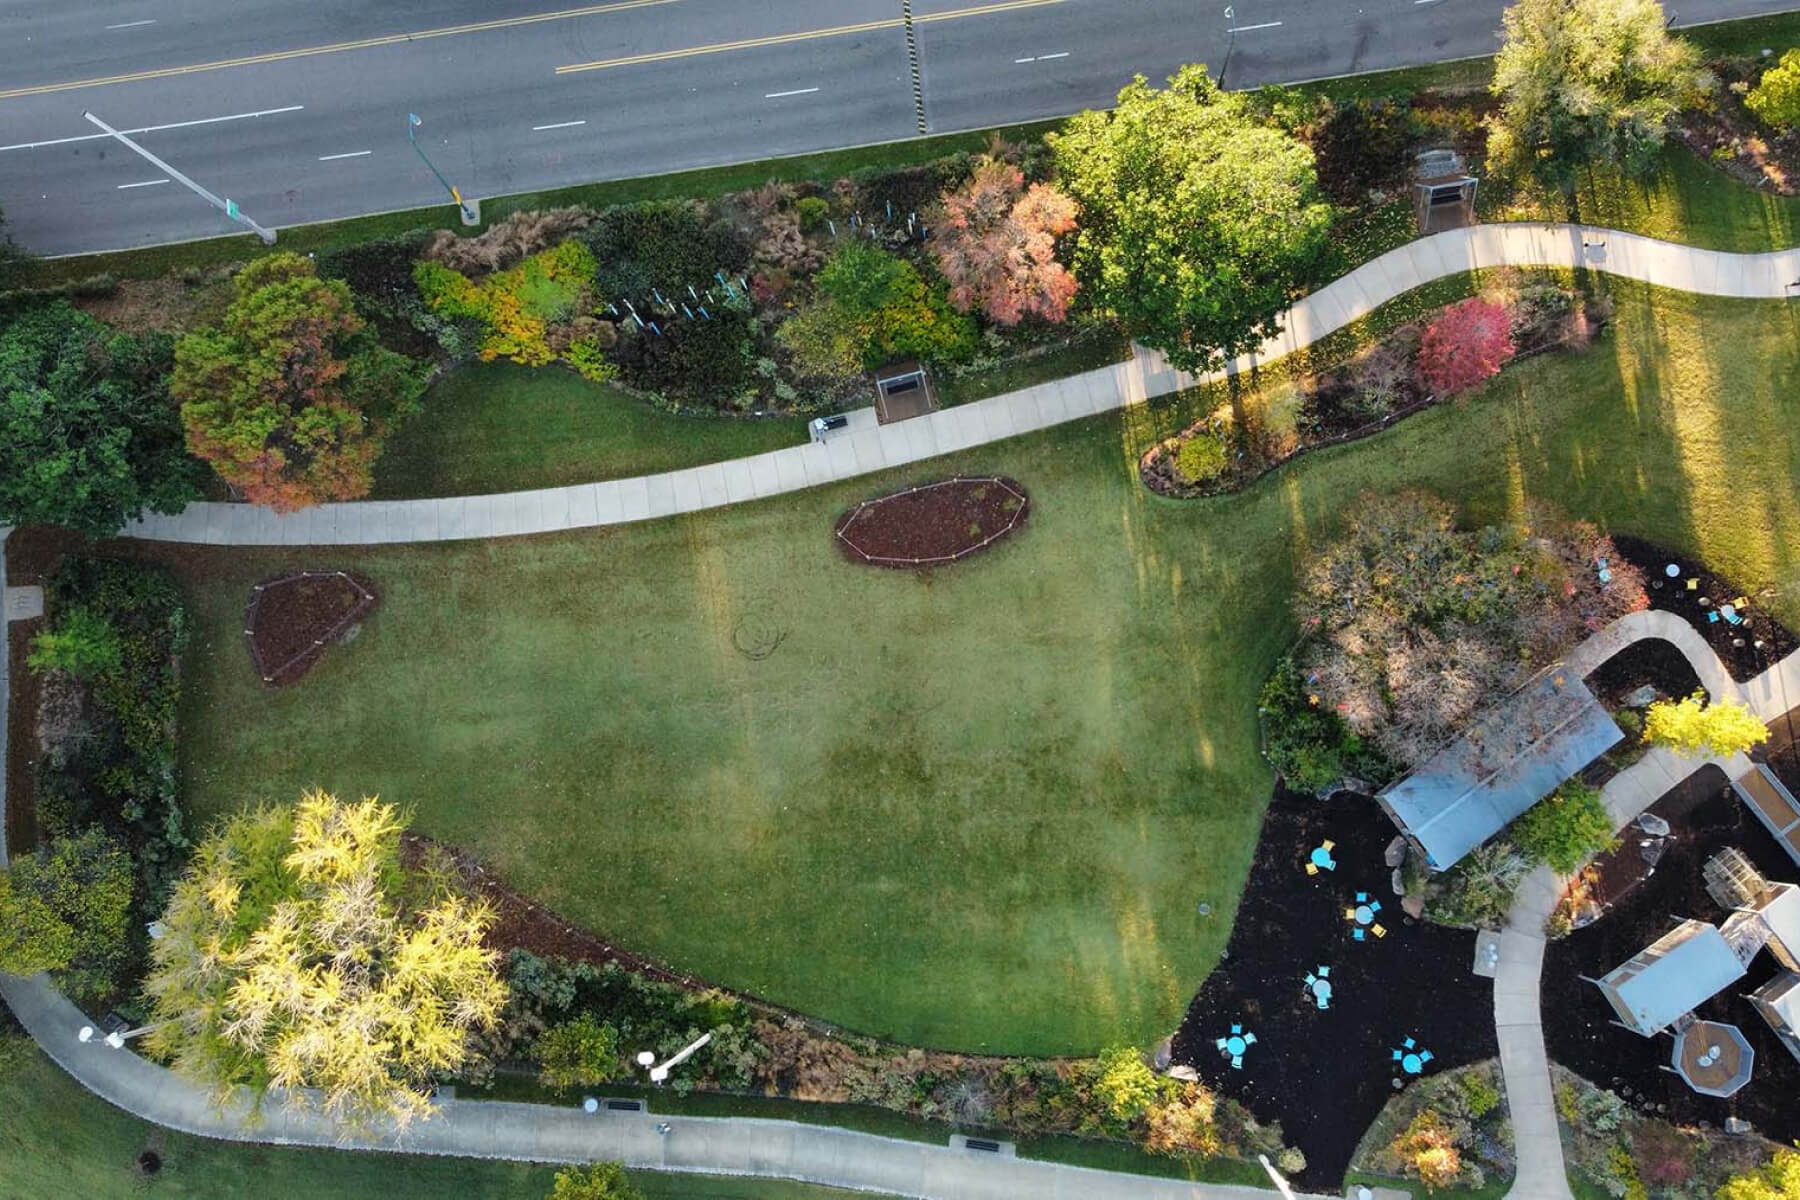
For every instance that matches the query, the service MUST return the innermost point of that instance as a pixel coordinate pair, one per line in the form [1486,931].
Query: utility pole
[1230,43]
[228,207]
[469,214]
[912,60]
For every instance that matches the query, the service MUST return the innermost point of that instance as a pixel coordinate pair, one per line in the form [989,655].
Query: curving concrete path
[1518,1021]
[867,448]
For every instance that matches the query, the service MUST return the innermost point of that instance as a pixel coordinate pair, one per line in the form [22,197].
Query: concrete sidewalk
[1537,1138]
[542,1133]
[864,449]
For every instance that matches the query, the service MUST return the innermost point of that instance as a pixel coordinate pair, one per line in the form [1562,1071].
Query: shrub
[665,244]
[1480,1097]
[1469,343]
[510,240]
[782,248]
[83,643]
[578,1053]
[822,341]
[66,910]
[596,1181]
[1124,1085]
[1181,1125]
[1426,1149]
[1363,145]
[1200,458]
[1776,98]
[1479,889]
[515,307]
[1694,729]
[1565,829]
[1779,1179]
[811,211]
[589,362]
[1311,745]
[379,273]
[710,362]
[894,312]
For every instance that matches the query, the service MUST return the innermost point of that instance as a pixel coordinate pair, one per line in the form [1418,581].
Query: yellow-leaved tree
[300,954]
[1693,728]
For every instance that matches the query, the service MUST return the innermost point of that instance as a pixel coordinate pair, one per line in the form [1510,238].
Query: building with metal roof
[1779,1003]
[1671,977]
[1512,756]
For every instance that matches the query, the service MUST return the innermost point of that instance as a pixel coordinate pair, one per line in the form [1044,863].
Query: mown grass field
[975,808]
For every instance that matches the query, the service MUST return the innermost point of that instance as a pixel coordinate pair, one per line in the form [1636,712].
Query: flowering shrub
[517,307]
[1468,344]
[996,244]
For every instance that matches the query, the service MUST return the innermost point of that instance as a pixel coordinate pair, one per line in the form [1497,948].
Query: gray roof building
[1671,977]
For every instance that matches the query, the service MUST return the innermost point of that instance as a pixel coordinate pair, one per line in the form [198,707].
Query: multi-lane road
[298,110]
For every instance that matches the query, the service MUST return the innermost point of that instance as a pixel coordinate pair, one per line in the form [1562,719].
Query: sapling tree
[1467,344]
[1695,729]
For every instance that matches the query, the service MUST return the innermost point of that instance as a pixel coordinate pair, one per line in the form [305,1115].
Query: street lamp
[469,215]
[116,1039]
[227,206]
[660,1071]
[1230,43]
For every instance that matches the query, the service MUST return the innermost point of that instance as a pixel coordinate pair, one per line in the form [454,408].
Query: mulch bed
[1578,1023]
[1325,1075]
[291,620]
[934,523]
[1746,650]
[1652,661]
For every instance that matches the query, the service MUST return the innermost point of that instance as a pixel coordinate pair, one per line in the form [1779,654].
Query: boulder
[1414,905]
[1184,1073]
[1164,1052]
[1640,697]
[1395,854]
[1653,825]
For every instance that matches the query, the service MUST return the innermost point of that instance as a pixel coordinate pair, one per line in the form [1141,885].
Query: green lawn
[495,427]
[60,1140]
[973,809]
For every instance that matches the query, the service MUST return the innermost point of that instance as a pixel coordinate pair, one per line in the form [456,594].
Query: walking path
[1517,1019]
[866,448]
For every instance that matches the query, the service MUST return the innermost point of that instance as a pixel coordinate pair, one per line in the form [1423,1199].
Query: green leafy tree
[65,910]
[1694,729]
[1776,97]
[1124,1084]
[1565,829]
[83,643]
[12,256]
[1198,223]
[291,397]
[89,437]
[596,1181]
[299,954]
[579,1053]
[892,311]
[1587,81]
[1778,1179]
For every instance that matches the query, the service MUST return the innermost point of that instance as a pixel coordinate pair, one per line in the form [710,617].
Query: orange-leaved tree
[289,398]
[1471,341]
[996,245]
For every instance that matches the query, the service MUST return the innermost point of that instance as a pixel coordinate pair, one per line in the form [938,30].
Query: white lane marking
[1425,1]
[89,137]
[132,24]
[352,154]
[1020,60]
[1251,28]
[1048,57]
[146,183]
[795,92]
[557,125]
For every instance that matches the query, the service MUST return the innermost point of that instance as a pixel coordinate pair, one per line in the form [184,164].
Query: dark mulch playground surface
[1747,649]
[1652,661]
[932,524]
[293,619]
[1325,1075]
[1706,816]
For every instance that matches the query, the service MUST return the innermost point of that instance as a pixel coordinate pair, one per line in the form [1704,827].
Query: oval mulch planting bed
[933,523]
[292,619]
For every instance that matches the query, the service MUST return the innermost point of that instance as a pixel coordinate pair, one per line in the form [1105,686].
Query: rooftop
[1680,970]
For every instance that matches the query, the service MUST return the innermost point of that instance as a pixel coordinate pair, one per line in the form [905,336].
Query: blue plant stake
[890,210]
[704,313]
[691,292]
[656,329]
[612,308]
[831,225]
[687,310]
[659,300]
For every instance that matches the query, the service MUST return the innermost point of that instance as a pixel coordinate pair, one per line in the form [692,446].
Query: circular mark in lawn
[756,635]
[149,1162]
[933,524]
[292,619]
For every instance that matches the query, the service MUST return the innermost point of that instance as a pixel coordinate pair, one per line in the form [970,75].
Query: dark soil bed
[1706,816]
[1325,1075]
[1652,661]
[1746,650]
[933,523]
[293,619]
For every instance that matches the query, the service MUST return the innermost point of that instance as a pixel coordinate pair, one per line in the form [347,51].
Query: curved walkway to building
[1517,1017]
[868,448]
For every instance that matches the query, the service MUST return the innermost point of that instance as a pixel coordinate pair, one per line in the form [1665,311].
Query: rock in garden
[1395,854]
[1653,825]
[1164,1052]
[1413,906]
[1640,697]
[1399,882]
[1184,1072]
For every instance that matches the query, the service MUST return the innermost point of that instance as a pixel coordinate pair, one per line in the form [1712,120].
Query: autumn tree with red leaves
[291,396]
[1470,342]
[996,244]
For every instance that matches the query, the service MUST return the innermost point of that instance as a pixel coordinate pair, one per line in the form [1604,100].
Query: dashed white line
[146,183]
[1048,57]
[557,125]
[132,24]
[89,137]
[351,154]
[1253,28]
[795,92]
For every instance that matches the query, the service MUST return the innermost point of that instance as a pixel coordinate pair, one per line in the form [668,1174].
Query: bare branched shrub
[512,239]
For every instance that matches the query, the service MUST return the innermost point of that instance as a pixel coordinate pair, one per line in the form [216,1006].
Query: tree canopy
[1694,729]
[1566,828]
[12,256]
[596,1181]
[299,954]
[291,397]
[1776,96]
[1779,1179]
[996,244]
[1584,81]
[1198,224]
[89,437]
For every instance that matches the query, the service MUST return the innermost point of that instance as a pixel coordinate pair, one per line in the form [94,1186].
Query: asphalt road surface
[298,111]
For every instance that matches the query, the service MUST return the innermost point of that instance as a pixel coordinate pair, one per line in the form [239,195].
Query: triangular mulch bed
[292,619]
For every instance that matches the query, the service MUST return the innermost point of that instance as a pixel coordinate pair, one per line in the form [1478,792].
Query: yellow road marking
[392,39]
[787,38]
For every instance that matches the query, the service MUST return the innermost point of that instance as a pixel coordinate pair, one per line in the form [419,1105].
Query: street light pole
[660,1071]
[1230,43]
[469,216]
[228,207]
[117,1039]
